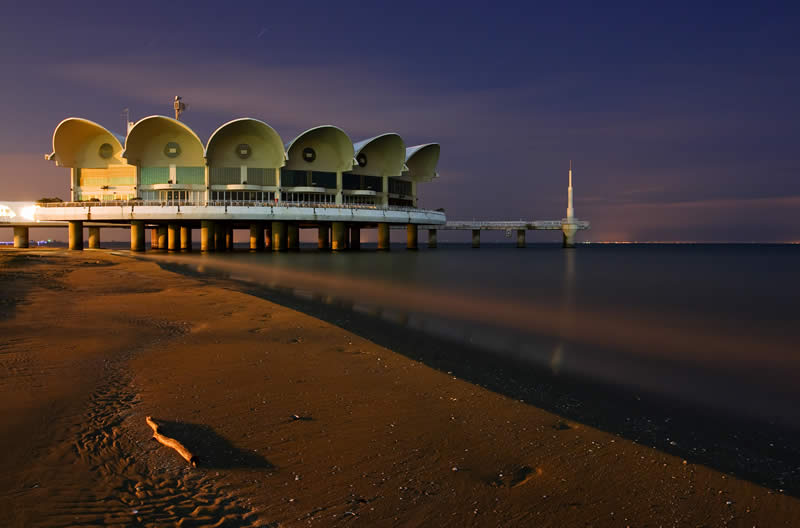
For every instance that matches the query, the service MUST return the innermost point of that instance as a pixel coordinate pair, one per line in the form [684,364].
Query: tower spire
[570,209]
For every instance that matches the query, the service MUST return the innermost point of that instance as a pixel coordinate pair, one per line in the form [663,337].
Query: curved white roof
[71,139]
[341,143]
[255,127]
[422,160]
[166,124]
[389,152]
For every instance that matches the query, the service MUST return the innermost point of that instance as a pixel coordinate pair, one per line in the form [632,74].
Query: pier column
[186,238]
[278,236]
[411,236]
[153,238]
[76,235]
[476,238]
[256,236]
[339,231]
[433,240]
[322,236]
[267,234]
[219,236]
[520,238]
[568,231]
[383,236]
[355,237]
[162,237]
[173,237]
[137,235]
[94,238]
[293,236]
[21,237]
[207,230]
[229,237]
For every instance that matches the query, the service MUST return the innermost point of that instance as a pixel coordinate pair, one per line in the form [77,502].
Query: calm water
[716,325]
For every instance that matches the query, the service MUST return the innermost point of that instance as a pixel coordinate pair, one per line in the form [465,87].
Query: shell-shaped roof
[147,141]
[333,150]
[78,142]
[265,145]
[422,160]
[382,155]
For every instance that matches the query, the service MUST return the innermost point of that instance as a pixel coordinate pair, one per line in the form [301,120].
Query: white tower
[570,209]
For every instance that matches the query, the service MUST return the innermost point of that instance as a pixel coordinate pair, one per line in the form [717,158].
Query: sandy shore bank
[296,421]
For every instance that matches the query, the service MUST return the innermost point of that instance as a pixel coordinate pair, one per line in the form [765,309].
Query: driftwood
[171,442]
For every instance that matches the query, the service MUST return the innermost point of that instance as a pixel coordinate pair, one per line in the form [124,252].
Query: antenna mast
[179,107]
[570,209]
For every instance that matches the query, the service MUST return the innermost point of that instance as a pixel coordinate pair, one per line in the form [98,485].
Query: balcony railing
[176,203]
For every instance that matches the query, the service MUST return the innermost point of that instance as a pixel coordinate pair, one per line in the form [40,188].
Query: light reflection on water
[708,324]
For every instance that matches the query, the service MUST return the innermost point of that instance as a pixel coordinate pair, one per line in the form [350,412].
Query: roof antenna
[179,107]
[570,210]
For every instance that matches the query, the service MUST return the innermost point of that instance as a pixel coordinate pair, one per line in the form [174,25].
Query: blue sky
[681,119]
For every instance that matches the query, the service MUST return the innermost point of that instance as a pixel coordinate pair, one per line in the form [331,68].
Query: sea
[712,325]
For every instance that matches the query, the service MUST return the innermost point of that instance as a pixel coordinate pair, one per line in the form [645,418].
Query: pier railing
[228,203]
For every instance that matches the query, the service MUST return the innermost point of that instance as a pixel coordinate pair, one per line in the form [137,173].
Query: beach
[296,420]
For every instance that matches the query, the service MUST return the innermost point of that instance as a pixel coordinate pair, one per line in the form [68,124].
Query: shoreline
[379,433]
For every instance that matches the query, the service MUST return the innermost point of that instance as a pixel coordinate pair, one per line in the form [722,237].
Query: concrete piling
[278,236]
[76,235]
[322,236]
[162,237]
[173,237]
[520,238]
[384,241]
[256,236]
[137,235]
[411,236]
[293,236]
[229,237]
[219,236]
[267,234]
[339,233]
[355,237]
[186,238]
[94,238]
[154,238]
[476,238]
[433,240]
[207,230]
[21,237]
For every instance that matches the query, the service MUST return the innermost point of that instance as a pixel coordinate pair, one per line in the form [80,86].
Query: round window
[106,151]
[309,155]
[243,150]
[362,160]
[172,150]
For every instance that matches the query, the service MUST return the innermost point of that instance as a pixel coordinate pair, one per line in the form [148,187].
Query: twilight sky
[683,121]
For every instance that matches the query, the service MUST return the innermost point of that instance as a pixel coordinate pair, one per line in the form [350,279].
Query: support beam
[186,238]
[568,230]
[384,242]
[154,238]
[162,237]
[219,236]
[355,237]
[76,235]
[94,238]
[339,232]
[293,236]
[207,230]
[173,237]
[476,238]
[433,240]
[229,237]
[520,238]
[322,236]
[278,236]
[21,237]
[256,236]
[411,236]
[137,235]
[267,236]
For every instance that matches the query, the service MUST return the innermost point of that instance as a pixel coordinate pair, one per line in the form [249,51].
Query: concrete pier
[279,236]
[21,237]
[568,231]
[339,233]
[162,237]
[186,238]
[256,236]
[355,237]
[293,236]
[384,241]
[267,234]
[137,235]
[229,237]
[173,237]
[219,236]
[76,235]
[94,238]
[411,236]
[476,238]
[433,240]
[520,238]
[322,236]
[207,230]
[154,238]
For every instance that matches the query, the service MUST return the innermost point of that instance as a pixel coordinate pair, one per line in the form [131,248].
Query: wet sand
[296,421]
